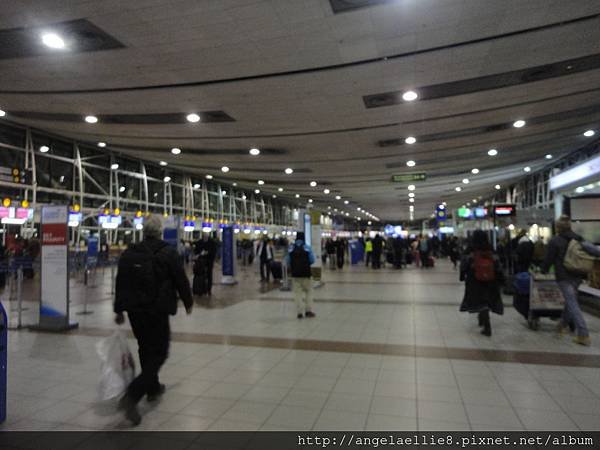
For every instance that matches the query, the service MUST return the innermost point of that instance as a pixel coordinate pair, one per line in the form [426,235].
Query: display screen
[481,213]
[505,210]
[465,213]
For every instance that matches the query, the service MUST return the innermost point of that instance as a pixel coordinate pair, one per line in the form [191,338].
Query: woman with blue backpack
[480,270]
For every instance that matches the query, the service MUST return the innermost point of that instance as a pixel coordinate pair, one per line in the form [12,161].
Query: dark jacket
[206,249]
[171,280]
[481,295]
[524,256]
[377,244]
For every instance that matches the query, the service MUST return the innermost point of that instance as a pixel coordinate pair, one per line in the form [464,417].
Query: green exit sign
[408,177]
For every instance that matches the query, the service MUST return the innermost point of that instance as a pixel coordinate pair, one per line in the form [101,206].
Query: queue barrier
[3,361]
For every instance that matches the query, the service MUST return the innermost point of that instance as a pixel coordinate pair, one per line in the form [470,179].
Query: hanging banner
[54,305]
[228,256]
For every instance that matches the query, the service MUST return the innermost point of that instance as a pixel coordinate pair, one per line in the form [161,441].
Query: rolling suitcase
[276,270]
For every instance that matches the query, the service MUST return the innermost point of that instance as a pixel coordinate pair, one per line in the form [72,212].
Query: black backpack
[137,280]
[300,263]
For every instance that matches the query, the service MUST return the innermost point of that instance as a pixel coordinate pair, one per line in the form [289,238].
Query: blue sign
[92,251]
[228,255]
[357,252]
[440,213]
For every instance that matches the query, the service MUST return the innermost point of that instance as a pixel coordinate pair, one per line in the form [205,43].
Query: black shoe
[310,314]
[154,396]
[480,321]
[487,331]
[300,316]
[130,408]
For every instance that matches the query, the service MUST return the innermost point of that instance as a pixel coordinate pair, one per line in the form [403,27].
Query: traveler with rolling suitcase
[299,259]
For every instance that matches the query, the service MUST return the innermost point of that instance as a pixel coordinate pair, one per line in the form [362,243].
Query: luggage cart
[545,298]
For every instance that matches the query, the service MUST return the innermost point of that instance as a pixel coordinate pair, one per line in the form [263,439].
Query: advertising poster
[229,252]
[315,243]
[54,307]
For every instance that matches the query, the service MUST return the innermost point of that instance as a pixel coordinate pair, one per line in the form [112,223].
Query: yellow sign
[6,202]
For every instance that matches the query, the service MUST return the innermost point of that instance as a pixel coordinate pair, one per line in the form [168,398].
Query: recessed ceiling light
[326,191]
[465,181]
[91,119]
[492,152]
[197,186]
[289,171]
[346,202]
[411,187]
[411,194]
[224,169]
[274,196]
[53,40]
[224,193]
[176,151]
[44,149]
[254,151]
[122,189]
[588,133]
[313,183]
[310,200]
[209,177]
[474,171]
[580,189]
[163,163]
[234,184]
[101,144]
[412,200]
[257,191]
[548,156]
[337,197]
[527,169]
[497,187]
[458,189]
[410,96]
[193,117]
[2,113]
[410,140]
[280,189]
[114,166]
[474,200]
[519,123]
[261,182]
[411,163]
[297,195]
[358,209]
[167,179]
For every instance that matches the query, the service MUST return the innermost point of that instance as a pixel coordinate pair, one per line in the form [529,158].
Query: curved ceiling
[319,91]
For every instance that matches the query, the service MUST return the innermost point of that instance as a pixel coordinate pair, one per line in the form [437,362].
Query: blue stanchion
[3,361]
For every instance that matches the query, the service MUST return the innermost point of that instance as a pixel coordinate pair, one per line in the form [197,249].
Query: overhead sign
[408,177]
[577,174]
[505,210]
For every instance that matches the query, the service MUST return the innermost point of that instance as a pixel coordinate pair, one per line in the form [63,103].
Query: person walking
[149,279]
[264,253]
[483,276]
[453,251]
[424,249]
[368,251]
[568,282]
[299,259]
[206,252]
[377,250]
[330,248]
[341,252]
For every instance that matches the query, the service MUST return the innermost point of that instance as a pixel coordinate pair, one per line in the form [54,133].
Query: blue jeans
[572,311]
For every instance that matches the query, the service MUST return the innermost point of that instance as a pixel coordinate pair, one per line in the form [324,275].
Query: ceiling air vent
[340,6]
[384,99]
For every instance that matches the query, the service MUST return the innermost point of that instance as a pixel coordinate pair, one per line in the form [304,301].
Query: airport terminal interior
[376,215]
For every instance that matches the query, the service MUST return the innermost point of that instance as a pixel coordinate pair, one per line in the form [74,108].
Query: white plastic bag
[118,367]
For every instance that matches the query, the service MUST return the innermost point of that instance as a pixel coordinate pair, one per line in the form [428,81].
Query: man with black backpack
[299,259]
[149,278]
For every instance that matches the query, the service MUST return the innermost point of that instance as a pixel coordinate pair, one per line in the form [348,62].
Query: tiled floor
[239,367]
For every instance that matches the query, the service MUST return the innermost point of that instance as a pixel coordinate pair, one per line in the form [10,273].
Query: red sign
[54,234]
[504,210]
